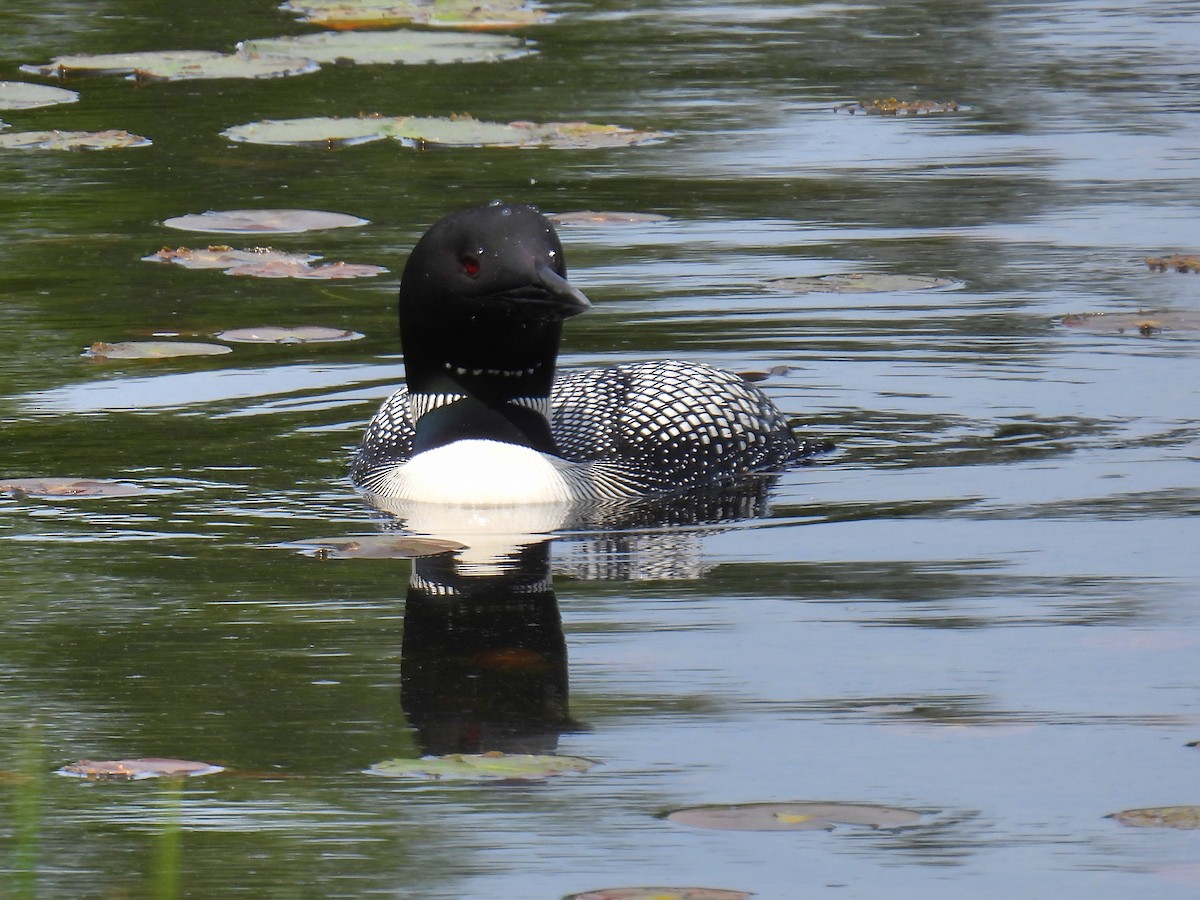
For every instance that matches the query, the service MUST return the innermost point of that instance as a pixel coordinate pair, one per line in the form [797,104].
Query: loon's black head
[482,302]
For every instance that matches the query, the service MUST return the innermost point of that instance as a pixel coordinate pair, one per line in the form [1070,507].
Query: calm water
[983,607]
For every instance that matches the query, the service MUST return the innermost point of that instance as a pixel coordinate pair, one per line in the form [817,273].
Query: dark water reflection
[983,605]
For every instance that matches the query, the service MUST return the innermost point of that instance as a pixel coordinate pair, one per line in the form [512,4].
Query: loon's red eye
[470,265]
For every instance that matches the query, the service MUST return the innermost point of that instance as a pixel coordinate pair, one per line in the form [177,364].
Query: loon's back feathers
[482,302]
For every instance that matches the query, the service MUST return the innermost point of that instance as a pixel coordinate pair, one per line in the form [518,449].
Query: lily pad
[152,350]
[1146,324]
[893,107]
[452,131]
[69,488]
[481,766]
[1184,817]
[222,257]
[588,217]
[402,47]
[377,546]
[72,140]
[298,269]
[1176,261]
[175,65]
[118,63]
[793,816]
[859,283]
[660,893]
[263,221]
[21,95]
[136,769]
[353,14]
[300,334]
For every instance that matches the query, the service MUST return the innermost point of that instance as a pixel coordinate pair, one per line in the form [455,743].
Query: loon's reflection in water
[484,657]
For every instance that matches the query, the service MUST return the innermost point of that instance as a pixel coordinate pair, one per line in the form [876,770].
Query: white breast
[480,473]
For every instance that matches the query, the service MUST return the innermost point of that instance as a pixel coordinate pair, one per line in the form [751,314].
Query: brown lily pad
[67,488]
[297,269]
[377,546]
[859,283]
[1183,817]
[1145,324]
[263,221]
[222,257]
[482,767]
[72,140]
[152,350]
[803,816]
[660,893]
[590,217]
[136,769]
[300,334]
[1175,262]
[893,107]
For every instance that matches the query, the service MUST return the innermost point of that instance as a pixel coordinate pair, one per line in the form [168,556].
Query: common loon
[485,421]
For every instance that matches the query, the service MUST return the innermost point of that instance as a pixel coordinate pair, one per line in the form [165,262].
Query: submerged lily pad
[152,350]
[352,14]
[72,140]
[136,769]
[1175,261]
[588,217]
[1146,324]
[481,766]
[660,893]
[377,546]
[175,65]
[453,131]
[58,488]
[21,95]
[859,283]
[793,816]
[1184,817]
[299,334]
[263,221]
[222,257]
[403,47]
[893,107]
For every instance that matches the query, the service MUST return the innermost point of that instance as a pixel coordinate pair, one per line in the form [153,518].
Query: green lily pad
[1183,817]
[402,47]
[481,766]
[793,816]
[263,221]
[1146,324]
[221,257]
[72,140]
[453,131]
[299,334]
[377,546]
[136,769]
[660,893]
[860,283]
[353,14]
[101,351]
[175,65]
[67,488]
[21,95]
[589,217]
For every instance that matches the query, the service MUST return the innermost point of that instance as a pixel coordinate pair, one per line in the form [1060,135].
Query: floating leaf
[1184,817]
[453,131]
[118,63]
[263,221]
[893,107]
[136,769]
[300,334]
[152,350]
[754,377]
[660,893]
[298,269]
[793,816]
[175,65]
[352,14]
[70,488]
[859,283]
[481,766]
[378,546]
[1175,261]
[72,140]
[588,217]
[404,47]
[1146,324]
[222,257]
[21,95]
